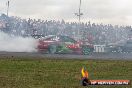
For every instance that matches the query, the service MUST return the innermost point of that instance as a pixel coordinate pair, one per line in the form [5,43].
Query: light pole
[79,14]
[8,4]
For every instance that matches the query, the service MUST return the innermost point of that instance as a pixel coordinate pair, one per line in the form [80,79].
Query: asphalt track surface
[100,56]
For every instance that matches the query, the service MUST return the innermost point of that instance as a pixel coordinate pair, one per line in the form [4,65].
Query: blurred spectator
[90,32]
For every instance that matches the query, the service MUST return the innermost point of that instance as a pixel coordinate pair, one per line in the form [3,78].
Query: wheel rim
[52,49]
[85,50]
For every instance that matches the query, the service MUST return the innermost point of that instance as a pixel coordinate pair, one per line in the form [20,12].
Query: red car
[62,44]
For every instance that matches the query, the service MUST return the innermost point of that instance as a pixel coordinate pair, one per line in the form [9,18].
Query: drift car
[63,44]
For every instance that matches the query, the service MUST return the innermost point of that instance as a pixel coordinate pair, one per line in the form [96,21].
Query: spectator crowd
[91,32]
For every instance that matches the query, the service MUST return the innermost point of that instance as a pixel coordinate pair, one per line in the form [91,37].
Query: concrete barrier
[99,48]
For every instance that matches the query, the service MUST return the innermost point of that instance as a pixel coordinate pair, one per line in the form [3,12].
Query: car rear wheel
[52,49]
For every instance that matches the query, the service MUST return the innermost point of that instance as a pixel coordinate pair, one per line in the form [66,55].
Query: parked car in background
[125,47]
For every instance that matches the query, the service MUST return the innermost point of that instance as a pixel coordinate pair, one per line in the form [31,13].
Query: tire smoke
[10,43]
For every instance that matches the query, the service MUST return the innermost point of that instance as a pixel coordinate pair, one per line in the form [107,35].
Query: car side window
[67,39]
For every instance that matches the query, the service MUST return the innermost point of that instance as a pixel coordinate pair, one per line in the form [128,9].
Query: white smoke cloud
[17,44]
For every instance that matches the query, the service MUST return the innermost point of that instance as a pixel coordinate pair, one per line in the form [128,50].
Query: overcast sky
[98,11]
